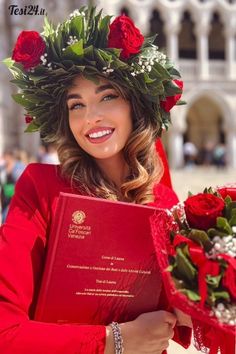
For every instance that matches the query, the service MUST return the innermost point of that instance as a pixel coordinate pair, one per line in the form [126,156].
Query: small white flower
[216,239]
[220,307]
[228,238]
[234,229]
[217,246]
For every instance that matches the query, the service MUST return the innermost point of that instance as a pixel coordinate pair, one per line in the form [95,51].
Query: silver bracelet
[118,340]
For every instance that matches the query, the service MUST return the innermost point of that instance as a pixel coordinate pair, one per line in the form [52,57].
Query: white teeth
[100,134]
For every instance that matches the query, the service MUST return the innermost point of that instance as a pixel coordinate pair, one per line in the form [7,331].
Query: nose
[93,115]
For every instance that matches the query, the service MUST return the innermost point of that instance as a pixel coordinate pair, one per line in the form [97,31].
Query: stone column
[140,12]
[172,28]
[110,7]
[231,148]
[175,137]
[175,149]
[202,28]
[230,47]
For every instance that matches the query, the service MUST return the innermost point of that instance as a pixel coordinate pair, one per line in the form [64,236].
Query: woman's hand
[149,333]
[183,319]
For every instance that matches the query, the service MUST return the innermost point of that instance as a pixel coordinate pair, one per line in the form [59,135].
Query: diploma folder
[100,265]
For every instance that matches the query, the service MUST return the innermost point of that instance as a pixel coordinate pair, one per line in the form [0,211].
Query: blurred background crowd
[12,165]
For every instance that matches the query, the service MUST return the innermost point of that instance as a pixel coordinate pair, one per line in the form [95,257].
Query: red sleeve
[166,179]
[164,197]
[22,251]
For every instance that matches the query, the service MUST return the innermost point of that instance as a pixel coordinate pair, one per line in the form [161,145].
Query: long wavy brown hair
[145,166]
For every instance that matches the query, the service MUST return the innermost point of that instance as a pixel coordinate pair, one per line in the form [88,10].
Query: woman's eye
[76,106]
[110,97]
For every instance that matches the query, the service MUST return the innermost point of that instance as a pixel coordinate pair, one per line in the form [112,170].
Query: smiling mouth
[100,134]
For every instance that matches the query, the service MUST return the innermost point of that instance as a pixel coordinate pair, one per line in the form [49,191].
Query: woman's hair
[145,166]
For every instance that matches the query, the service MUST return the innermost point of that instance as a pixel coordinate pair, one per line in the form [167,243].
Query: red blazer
[22,253]
[166,180]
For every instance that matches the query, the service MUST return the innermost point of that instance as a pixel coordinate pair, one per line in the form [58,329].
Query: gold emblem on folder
[78,217]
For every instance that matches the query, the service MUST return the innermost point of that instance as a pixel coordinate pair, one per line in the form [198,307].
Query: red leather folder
[100,264]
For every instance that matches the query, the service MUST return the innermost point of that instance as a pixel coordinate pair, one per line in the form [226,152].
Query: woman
[104,104]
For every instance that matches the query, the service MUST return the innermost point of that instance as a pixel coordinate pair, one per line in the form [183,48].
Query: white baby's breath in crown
[72,40]
[145,61]
[76,13]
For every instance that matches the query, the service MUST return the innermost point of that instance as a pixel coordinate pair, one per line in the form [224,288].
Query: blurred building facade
[199,36]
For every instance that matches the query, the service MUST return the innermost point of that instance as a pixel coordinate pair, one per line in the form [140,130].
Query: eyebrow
[99,89]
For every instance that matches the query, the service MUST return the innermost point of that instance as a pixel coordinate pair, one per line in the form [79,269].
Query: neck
[115,169]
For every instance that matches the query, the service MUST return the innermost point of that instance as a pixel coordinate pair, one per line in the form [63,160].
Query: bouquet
[195,244]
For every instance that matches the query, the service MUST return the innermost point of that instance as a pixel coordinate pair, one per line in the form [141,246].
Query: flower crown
[44,64]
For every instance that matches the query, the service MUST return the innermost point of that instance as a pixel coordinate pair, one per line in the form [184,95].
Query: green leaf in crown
[89,43]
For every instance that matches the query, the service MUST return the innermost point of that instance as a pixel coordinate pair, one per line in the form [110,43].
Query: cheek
[74,124]
[129,121]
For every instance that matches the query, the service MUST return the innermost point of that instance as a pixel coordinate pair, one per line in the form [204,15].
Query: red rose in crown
[28,49]
[171,101]
[124,35]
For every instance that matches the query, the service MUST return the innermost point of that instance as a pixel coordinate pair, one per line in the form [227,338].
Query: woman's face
[99,117]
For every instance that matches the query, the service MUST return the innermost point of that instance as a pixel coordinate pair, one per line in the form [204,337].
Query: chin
[103,156]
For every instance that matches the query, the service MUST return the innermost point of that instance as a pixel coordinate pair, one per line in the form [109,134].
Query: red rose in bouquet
[196,251]
[124,35]
[28,49]
[203,209]
[171,101]
[228,190]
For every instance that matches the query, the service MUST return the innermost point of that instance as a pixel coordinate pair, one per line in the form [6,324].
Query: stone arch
[157,27]
[208,119]
[216,38]
[187,38]
[221,100]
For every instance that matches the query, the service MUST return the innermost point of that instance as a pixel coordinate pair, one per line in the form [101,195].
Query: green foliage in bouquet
[203,249]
